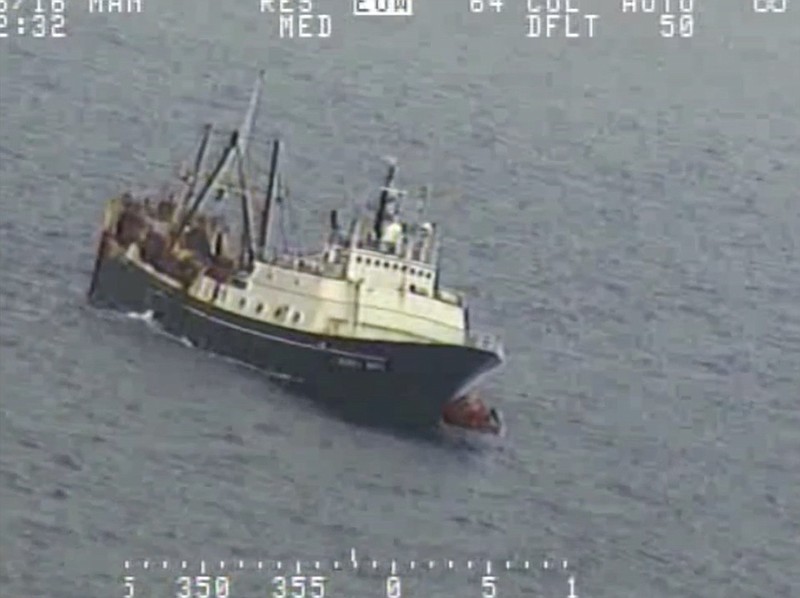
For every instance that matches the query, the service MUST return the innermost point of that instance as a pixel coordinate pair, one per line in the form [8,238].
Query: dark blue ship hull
[377,382]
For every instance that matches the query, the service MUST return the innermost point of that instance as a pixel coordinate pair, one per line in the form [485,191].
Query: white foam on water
[146,316]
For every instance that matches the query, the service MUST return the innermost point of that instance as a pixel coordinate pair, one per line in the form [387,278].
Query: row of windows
[279,313]
[393,265]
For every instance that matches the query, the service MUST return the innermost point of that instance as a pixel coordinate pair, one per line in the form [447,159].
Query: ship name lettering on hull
[347,362]
[361,364]
[115,6]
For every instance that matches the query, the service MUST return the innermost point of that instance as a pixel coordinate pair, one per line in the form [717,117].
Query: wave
[146,316]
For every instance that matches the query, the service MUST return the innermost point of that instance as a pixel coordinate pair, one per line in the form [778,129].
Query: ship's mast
[264,226]
[247,253]
[187,216]
[381,213]
[334,226]
[245,133]
[198,163]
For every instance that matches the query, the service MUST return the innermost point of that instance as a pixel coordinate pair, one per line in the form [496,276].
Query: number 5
[299,586]
[203,585]
[128,582]
[489,586]
[667,25]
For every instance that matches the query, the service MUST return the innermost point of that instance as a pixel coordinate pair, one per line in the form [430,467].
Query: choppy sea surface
[624,210]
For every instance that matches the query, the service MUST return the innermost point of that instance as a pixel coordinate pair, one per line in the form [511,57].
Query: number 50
[683,26]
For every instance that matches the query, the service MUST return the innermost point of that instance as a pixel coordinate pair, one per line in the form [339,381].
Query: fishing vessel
[362,324]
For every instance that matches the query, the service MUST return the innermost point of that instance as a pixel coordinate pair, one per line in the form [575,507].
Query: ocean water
[623,209]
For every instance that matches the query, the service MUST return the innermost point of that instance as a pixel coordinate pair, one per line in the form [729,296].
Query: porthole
[259,308]
[368,261]
[403,268]
[280,312]
[358,259]
[396,266]
[412,272]
[242,302]
[296,317]
[386,265]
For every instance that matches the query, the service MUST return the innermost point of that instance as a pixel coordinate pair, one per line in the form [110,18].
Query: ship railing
[485,341]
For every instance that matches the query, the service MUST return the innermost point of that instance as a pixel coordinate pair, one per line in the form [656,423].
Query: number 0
[476,5]
[221,587]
